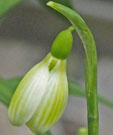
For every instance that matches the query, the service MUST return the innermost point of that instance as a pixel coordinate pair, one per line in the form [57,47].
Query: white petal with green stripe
[41,96]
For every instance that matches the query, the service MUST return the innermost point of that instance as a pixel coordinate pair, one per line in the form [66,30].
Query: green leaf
[77,90]
[7,88]
[6,5]
[5,92]
[13,82]
[48,133]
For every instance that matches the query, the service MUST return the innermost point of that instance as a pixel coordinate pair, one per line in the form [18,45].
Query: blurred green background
[26,35]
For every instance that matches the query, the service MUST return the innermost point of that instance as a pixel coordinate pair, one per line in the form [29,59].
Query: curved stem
[90,63]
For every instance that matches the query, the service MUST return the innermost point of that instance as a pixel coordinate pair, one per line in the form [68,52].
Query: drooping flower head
[41,96]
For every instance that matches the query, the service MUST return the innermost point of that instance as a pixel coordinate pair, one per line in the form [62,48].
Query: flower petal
[29,94]
[54,101]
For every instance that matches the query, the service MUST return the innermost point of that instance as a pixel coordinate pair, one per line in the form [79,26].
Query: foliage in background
[7,88]
[77,90]
[6,5]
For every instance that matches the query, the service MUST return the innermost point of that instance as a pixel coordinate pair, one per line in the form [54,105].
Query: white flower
[41,96]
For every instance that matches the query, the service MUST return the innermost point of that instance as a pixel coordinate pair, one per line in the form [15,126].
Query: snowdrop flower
[41,96]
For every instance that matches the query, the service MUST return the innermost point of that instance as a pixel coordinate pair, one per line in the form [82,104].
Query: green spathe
[62,45]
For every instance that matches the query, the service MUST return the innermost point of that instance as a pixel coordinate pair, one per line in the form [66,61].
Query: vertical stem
[90,63]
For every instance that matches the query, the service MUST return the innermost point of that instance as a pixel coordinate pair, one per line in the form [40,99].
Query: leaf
[7,88]
[6,5]
[48,133]
[77,90]
[5,92]
[13,82]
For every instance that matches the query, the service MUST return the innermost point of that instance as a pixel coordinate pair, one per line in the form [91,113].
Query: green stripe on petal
[52,107]
[61,102]
[29,93]
[41,96]
[43,108]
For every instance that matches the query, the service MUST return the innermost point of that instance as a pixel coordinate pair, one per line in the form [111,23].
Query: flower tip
[15,123]
[50,3]
[71,29]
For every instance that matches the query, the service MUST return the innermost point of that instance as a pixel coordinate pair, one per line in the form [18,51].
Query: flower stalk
[42,94]
[90,63]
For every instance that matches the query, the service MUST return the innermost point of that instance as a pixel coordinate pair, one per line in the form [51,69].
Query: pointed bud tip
[71,29]
[50,3]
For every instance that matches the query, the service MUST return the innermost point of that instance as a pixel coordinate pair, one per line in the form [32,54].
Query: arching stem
[90,63]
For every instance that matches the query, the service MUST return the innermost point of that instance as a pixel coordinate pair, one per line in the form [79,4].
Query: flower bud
[82,131]
[41,96]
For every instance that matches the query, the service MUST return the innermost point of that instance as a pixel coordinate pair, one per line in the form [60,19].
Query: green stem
[90,63]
